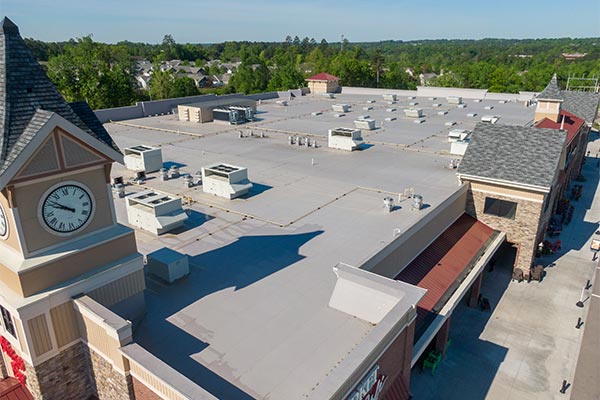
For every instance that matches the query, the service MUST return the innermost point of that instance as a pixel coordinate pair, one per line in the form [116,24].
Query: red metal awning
[11,389]
[442,266]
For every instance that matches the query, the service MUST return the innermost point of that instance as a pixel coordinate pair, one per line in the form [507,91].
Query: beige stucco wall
[507,191]
[36,280]
[12,240]
[29,196]
[119,290]
[323,87]
[40,335]
[64,323]
[546,109]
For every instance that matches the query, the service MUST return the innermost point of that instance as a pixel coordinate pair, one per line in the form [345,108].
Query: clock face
[66,208]
[3,224]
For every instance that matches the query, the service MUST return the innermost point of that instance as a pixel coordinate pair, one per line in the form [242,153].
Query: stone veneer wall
[142,392]
[522,230]
[110,384]
[63,377]
[75,374]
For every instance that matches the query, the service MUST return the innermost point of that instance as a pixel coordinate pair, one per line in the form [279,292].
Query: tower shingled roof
[551,91]
[25,90]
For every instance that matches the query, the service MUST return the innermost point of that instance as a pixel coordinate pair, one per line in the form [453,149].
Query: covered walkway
[448,268]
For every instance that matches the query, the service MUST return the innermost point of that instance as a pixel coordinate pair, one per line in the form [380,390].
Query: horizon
[111,21]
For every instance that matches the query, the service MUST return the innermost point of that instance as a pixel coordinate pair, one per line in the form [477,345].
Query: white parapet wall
[155,212]
[225,180]
[143,158]
[344,139]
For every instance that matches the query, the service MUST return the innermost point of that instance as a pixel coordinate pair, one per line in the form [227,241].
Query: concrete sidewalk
[528,344]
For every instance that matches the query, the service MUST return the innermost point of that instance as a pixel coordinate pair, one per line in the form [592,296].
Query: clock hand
[58,205]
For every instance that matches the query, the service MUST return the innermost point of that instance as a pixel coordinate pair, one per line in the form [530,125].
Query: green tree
[100,74]
[161,85]
[286,77]
[183,87]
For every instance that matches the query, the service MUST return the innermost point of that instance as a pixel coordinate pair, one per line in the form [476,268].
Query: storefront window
[500,208]
[7,321]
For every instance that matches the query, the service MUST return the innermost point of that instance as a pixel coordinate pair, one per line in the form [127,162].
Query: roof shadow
[238,265]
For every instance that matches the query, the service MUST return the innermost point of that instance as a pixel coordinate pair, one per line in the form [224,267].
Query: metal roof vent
[417,202]
[388,203]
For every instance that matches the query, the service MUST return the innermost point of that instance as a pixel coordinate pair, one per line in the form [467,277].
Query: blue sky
[272,20]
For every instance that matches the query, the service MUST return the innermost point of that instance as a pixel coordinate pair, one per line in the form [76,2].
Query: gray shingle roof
[516,154]
[25,90]
[582,104]
[552,91]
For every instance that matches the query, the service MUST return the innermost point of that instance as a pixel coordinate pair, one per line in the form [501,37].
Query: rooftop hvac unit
[143,158]
[390,109]
[418,121]
[169,265]
[458,134]
[344,139]
[246,112]
[390,119]
[339,115]
[472,115]
[488,107]
[389,97]
[282,103]
[155,212]
[450,123]
[366,123]
[432,98]
[442,112]
[477,101]
[225,114]
[492,119]
[225,180]
[462,106]
[502,102]
[343,108]
[411,97]
[370,101]
[436,105]
[413,112]
[367,108]
[315,113]
[454,100]
[459,147]
[329,95]
[413,103]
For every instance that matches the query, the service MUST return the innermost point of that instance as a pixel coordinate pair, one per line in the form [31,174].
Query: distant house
[427,78]
[143,81]
[323,83]
[573,56]
[200,80]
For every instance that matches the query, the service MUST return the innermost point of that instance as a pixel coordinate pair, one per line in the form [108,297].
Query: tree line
[104,74]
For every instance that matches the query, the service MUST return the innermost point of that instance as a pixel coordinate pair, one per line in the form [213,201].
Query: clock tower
[59,237]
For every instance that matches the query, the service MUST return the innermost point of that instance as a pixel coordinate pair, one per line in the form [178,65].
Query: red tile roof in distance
[572,124]
[11,389]
[444,263]
[323,76]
